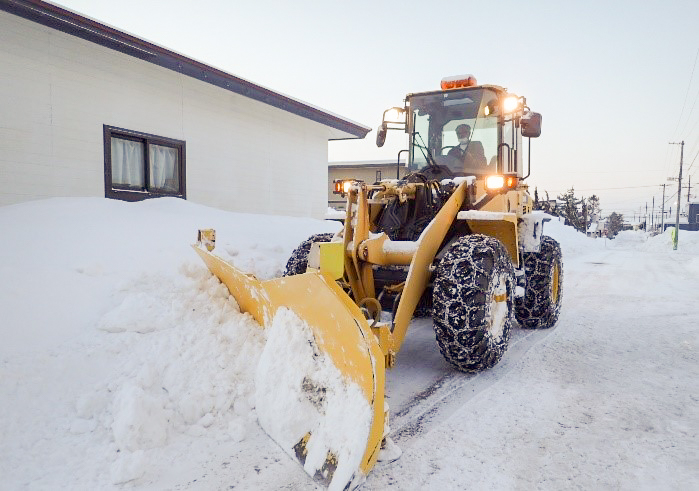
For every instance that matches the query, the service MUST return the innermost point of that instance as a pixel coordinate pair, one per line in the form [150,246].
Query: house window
[378,175]
[139,166]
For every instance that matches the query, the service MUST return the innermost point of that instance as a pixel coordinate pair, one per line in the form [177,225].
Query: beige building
[370,171]
[91,111]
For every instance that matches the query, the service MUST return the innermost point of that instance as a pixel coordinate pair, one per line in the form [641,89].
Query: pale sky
[615,81]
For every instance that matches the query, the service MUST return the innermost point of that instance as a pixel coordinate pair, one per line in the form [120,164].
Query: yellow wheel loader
[455,239]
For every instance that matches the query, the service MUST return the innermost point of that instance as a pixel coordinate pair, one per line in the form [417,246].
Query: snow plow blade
[320,380]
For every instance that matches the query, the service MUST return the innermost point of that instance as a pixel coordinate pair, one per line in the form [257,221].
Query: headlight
[394,115]
[342,186]
[493,183]
[496,183]
[510,104]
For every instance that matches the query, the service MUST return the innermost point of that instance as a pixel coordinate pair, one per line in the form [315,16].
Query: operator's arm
[477,154]
[455,152]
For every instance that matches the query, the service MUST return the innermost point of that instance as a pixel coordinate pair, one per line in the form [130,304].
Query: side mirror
[531,125]
[381,134]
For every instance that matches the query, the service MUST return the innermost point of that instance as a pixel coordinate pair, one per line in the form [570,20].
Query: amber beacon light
[458,82]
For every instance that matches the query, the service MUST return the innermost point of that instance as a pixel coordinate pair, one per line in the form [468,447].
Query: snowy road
[423,390]
[608,399]
[124,365]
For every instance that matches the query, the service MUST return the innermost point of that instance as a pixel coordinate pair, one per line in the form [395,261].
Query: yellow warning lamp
[458,82]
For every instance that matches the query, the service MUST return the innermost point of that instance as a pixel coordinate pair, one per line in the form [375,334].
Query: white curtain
[127,163]
[163,168]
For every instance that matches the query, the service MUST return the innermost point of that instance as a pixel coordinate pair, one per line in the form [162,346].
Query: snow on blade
[406,246]
[299,391]
[482,215]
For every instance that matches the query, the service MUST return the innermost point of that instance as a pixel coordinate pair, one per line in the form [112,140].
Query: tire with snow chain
[473,302]
[298,261]
[541,304]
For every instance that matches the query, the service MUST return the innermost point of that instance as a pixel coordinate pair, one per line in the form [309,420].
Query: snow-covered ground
[124,364]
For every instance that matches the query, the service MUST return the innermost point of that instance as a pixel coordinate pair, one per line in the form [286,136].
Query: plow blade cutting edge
[320,380]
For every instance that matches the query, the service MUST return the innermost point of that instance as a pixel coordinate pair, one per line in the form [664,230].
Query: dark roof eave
[71,23]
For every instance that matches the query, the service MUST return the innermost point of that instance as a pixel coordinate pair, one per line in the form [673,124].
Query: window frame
[130,194]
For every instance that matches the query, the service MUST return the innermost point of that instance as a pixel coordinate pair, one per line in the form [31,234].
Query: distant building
[594,230]
[369,171]
[689,217]
[88,110]
[692,216]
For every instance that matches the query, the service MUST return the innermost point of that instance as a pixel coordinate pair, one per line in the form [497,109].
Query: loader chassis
[455,239]
[396,232]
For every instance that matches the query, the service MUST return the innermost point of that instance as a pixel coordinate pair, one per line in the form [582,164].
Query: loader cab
[492,116]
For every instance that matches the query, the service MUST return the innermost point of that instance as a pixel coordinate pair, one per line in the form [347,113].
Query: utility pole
[689,189]
[679,195]
[652,215]
[662,219]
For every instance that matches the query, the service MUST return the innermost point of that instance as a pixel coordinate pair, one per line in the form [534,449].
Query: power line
[625,187]
[695,147]
[670,197]
[670,160]
[689,116]
[695,123]
[689,86]
[621,206]
[695,158]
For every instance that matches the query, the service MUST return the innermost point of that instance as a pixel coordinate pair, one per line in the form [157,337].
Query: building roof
[72,23]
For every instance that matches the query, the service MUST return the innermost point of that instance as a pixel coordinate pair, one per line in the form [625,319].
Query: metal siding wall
[56,92]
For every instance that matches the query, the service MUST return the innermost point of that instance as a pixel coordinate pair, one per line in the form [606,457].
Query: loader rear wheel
[541,304]
[473,302]
[298,261]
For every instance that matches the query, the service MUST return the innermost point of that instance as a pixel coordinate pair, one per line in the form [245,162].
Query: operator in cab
[469,153]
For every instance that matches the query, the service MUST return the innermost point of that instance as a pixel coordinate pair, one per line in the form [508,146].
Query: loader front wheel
[473,302]
[541,304]
[298,262]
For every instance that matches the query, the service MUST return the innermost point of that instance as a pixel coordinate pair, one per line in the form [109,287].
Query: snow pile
[688,241]
[335,214]
[299,391]
[125,364]
[572,242]
[629,239]
[643,241]
[188,356]
[118,343]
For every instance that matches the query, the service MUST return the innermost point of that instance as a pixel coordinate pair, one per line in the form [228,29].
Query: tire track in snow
[454,389]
